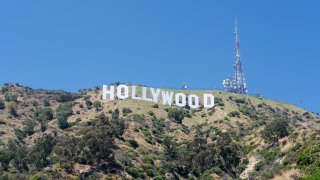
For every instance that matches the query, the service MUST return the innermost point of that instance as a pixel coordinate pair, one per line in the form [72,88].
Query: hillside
[48,134]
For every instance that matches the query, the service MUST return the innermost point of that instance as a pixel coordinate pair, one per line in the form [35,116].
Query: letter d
[206,104]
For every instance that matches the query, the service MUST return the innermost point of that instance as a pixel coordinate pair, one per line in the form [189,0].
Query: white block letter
[125,94]
[155,94]
[205,100]
[183,100]
[133,93]
[144,95]
[106,92]
[193,98]
[167,97]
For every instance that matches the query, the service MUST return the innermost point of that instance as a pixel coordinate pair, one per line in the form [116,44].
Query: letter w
[167,97]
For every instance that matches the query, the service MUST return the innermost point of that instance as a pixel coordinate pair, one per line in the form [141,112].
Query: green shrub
[11,97]
[133,143]
[270,155]
[211,111]
[156,105]
[29,126]
[115,114]
[151,113]
[175,114]
[35,103]
[315,176]
[138,117]
[275,130]
[62,117]
[148,159]
[20,134]
[95,147]
[48,113]
[258,166]
[234,114]
[240,101]
[118,127]
[63,111]
[307,115]
[2,105]
[94,176]
[126,110]
[41,150]
[12,109]
[136,172]
[66,107]
[245,110]
[103,118]
[46,102]
[39,176]
[20,159]
[149,138]
[43,114]
[159,177]
[218,101]
[309,158]
[170,147]
[78,120]
[63,97]
[89,104]
[97,105]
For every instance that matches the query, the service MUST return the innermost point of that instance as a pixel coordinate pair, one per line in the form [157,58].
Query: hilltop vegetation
[59,135]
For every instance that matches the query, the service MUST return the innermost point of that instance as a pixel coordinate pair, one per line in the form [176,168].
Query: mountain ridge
[239,138]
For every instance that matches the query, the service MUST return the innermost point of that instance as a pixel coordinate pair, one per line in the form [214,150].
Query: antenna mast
[236,83]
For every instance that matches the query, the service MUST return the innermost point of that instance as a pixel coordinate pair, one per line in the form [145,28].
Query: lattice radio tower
[237,82]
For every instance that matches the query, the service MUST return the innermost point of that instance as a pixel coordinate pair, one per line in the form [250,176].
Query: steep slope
[60,135]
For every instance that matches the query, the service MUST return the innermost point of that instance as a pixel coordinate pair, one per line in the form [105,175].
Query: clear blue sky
[76,44]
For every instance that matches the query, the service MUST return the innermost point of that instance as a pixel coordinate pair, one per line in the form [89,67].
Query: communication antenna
[237,82]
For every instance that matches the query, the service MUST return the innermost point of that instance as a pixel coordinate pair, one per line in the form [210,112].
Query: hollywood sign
[154,95]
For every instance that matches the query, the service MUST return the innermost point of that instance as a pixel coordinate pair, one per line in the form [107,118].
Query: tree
[41,150]
[67,107]
[19,134]
[63,111]
[176,114]
[275,130]
[62,97]
[118,126]
[95,147]
[20,159]
[103,119]
[62,117]
[100,143]
[6,154]
[29,126]
[170,147]
[47,112]
[43,114]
